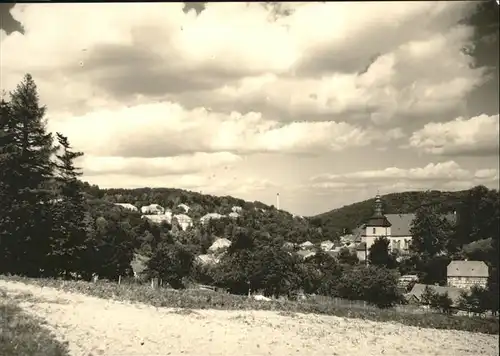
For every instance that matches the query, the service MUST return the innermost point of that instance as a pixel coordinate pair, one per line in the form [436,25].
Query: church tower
[377,225]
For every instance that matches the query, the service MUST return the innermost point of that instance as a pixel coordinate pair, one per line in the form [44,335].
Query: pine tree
[69,237]
[25,152]
[7,159]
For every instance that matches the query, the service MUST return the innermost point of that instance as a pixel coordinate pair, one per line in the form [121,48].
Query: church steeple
[378,218]
[378,210]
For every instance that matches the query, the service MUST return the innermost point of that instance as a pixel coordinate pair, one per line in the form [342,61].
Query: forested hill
[170,198]
[348,217]
[253,215]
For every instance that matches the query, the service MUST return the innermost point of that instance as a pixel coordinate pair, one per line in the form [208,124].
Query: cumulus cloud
[477,136]
[447,175]
[356,61]
[154,167]
[167,129]
[166,94]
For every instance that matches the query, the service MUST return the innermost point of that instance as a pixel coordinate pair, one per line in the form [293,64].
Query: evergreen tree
[7,160]
[69,231]
[25,162]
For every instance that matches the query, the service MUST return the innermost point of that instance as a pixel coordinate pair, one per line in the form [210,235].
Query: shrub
[376,285]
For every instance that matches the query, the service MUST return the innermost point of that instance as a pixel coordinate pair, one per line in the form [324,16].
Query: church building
[395,227]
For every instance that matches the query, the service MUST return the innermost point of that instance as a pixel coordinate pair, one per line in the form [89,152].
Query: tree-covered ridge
[170,198]
[338,221]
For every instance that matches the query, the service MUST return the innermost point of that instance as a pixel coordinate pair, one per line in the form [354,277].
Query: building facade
[466,274]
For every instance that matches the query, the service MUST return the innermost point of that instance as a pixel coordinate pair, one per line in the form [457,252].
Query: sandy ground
[94,326]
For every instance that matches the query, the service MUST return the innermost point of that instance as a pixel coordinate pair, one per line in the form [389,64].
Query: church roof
[378,221]
[400,224]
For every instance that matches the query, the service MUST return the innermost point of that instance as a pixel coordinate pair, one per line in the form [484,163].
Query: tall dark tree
[379,254]
[171,262]
[430,231]
[25,161]
[69,243]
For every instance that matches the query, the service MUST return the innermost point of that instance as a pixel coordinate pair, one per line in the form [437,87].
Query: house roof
[207,259]
[467,269]
[401,224]
[306,254]
[418,290]
[220,244]
[306,244]
[378,221]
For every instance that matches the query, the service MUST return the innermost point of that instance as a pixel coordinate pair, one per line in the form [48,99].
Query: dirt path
[94,326]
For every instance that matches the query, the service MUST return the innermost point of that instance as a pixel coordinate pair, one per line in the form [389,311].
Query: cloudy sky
[325,103]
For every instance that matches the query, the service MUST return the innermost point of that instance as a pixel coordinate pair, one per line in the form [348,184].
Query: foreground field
[199,299]
[22,334]
[94,326]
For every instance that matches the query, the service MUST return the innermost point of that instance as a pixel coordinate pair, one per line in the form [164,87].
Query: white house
[306,245]
[183,220]
[219,245]
[327,245]
[152,209]
[465,274]
[127,206]
[207,217]
[184,207]
[157,218]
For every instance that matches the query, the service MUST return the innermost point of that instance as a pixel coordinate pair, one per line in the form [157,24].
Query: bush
[477,301]
[376,285]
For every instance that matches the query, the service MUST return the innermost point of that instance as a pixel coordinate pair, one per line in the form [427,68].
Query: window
[374,230]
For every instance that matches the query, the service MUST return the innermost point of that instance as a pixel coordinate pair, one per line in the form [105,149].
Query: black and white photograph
[249,178]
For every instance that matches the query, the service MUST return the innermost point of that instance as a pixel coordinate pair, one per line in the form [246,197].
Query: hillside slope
[346,218]
[170,198]
[252,215]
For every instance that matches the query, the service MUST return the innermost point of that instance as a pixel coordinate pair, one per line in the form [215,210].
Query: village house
[219,245]
[415,295]
[152,209]
[362,252]
[127,206]
[207,217]
[306,245]
[183,220]
[465,274]
[327,245]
